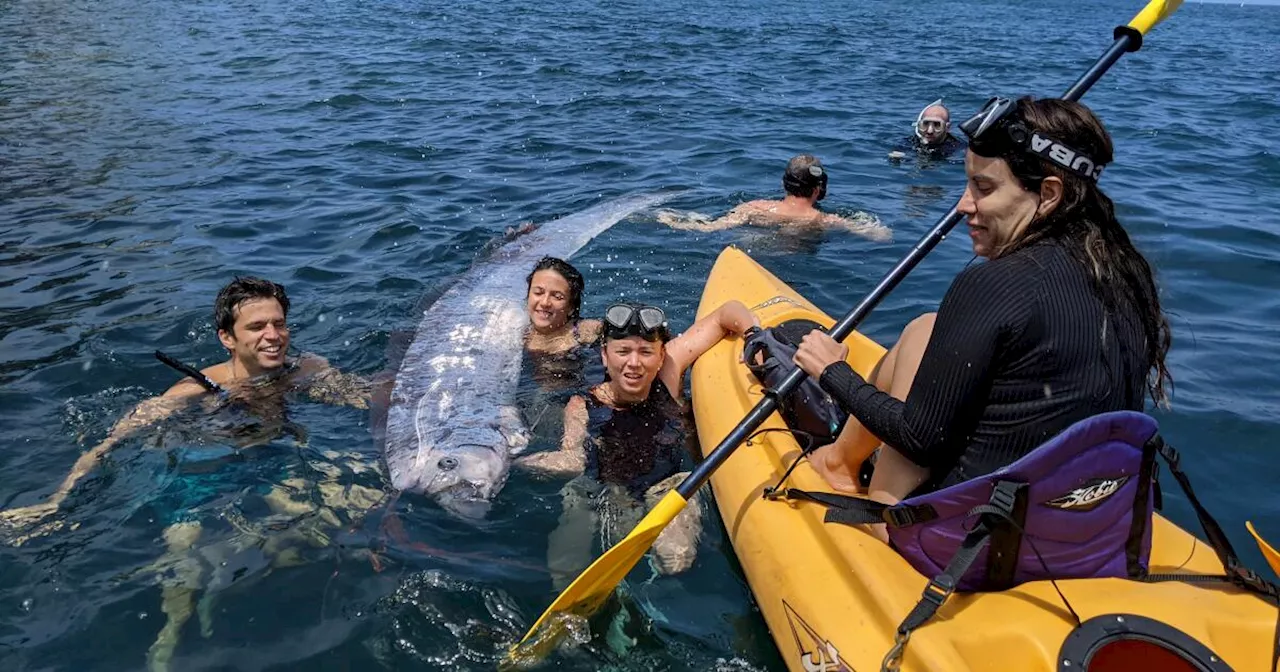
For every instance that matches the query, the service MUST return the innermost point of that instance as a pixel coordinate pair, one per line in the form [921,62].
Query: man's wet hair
[240,290]
[799,180]
[570,274]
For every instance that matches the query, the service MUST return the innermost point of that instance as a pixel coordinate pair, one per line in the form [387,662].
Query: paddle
[594,585]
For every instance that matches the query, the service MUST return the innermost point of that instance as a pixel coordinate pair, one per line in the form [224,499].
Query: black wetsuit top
[1021,349]
[943,150]
[636,446]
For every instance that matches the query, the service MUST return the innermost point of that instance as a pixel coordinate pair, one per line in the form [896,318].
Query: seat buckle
[939,589]
[899,516]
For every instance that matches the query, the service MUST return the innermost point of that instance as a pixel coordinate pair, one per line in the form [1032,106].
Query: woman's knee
[921,327]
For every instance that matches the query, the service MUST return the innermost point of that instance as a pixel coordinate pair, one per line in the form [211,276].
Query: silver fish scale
[456,385]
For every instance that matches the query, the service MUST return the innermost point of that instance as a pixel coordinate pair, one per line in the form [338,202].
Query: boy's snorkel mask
[994,132]
[636,319]
[931,122]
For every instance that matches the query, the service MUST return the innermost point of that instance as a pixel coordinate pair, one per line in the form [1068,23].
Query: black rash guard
[636,446]
[1022,348]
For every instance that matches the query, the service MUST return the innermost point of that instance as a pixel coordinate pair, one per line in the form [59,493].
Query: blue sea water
[363,152]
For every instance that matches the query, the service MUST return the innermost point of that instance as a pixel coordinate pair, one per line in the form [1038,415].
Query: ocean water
[362,153]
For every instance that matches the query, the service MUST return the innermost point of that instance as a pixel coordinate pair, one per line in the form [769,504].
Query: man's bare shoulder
[187,387]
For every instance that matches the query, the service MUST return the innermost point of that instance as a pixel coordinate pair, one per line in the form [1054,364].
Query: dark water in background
[362,153]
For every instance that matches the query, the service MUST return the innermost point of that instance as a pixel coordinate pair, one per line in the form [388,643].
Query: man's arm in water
[571,459]
[735,217]
[325,384]
[148,412]
[866,226]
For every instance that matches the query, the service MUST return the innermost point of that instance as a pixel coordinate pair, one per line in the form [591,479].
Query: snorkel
[921,119]
[194,373]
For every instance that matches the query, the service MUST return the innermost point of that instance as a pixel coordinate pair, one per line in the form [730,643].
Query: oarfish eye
[448,463]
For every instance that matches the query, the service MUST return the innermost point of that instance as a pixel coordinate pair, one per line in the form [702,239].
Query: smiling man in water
[250,316]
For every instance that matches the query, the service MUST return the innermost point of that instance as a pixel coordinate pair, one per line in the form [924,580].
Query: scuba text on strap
[994,133]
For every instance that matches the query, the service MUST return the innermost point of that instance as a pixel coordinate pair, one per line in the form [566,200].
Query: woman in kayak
[1062,322]
[625,438]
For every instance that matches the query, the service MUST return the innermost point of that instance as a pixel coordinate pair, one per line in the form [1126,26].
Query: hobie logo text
[1090,495]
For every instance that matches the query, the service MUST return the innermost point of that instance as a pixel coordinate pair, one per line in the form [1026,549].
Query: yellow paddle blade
[1155,12]
[1268,551]
[593,586]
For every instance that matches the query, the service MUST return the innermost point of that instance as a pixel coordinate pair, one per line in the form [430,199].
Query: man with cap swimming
[932,137]
[805,183]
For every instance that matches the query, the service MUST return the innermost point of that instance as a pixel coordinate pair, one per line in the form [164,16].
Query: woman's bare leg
[841,461]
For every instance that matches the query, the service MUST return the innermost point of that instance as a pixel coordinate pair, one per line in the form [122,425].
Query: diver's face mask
[814,177]
[994,132]
[931,129]
[633,319]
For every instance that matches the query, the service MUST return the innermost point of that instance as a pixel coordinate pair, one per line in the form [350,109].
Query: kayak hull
[833,596]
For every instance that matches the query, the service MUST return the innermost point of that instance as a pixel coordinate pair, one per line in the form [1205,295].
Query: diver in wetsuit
[932,138]
[1062,322]
[249,314]
[625,439]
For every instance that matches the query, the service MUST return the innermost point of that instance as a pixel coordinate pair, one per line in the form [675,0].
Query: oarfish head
[461,470]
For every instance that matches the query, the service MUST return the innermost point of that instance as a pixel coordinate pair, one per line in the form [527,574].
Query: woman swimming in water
[624,439]
[554,302]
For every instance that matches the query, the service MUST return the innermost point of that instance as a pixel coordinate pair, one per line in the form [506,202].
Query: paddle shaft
[1126,40]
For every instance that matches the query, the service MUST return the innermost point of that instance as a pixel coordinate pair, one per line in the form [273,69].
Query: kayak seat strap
[998,525]
[859,511]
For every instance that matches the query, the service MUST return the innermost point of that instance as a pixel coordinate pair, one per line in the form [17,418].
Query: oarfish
[452,426]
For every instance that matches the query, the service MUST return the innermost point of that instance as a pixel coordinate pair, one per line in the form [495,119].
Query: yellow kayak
[833,596]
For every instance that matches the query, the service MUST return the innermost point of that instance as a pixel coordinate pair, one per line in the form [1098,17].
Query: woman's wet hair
[1085,221]
[246,288]
[570,275]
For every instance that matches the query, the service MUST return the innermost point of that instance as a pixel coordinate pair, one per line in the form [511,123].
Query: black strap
[848,510]
[1006,538]
[810,445]
[1236,572]
[1140,521]
[1000,508]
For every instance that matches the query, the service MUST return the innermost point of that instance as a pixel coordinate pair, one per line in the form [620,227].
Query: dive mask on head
[994,133]
[813,177]
[931,123]
[635,319]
